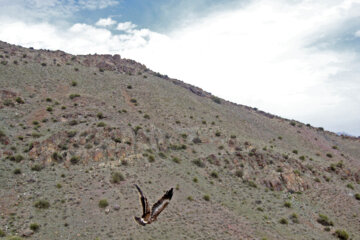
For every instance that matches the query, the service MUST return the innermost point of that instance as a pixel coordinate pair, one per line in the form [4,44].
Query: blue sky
[295,58]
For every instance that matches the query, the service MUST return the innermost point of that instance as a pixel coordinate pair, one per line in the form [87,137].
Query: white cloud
[97,4]
[105,22]
[126,26]
[357,34]
[262,55]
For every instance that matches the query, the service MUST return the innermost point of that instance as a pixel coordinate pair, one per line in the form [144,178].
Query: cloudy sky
[298,59]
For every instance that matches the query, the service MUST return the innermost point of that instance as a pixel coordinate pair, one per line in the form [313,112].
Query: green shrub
[216,99]
[2,233]
[74,160]
[287,204]
[73,122]
[198,163]
[206,197]
[196,140]
[103,203]
[252,184]
[283,221]
[42,204]
[100,115]
[190,198]
[295,151]
[357,196]
[341,234]
[146,116]
[324,220]
[74,83]
[151,158]
[49,109]
[35,227]
[19,100]
[71,134]
[195,180]
[17,171]
[329,155]
[349,185]
[101,124]
[58,185]
[117,177]
[133,100]
[214,174]
[162,155]
[18,158]
[43,64]
[293,123]
[218,134]
[302,158]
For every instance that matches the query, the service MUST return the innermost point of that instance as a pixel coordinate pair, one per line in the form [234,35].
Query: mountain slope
[69,123]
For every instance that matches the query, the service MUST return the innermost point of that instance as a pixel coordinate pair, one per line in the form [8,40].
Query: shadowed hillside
[75,130]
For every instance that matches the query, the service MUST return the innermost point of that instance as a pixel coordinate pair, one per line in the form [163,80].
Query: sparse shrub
[340,164]
[214,174]
[287,204]
[349,185]
[35,227]
[324,220]
[146,116]
[195,180]
[101,124]
[184,135]
[103,203]
[18,158]
[196,140]
[178,147]
[136,129]
[74,83]
[297,172]
[198,163]
[49,109]
[58,185]
[37,167]
[2,233]
[48,99]
[317,179]
[42,204]
[133,100]
[73,122]
[76,69]
[295,151]
[260,209]
[56,156]
[252,184]
[357,196]
[206,198]
[233,136]
[190,198]
[162,155]
[329,155]
[341,234]
[283,221]
[43,64]
[117,177]
[19,100]
[17,171]
[302,158]
[292,123]
[8,103]
[176,160]
[294,218]
[74,160]
[239,173]
[129,87]
[74,95]
[218,134]
[4,62]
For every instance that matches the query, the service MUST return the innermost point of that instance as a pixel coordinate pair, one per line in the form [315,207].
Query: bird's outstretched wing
[144,203]
[161,204]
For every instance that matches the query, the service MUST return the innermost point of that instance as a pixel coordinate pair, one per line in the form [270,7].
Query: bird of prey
[150,215]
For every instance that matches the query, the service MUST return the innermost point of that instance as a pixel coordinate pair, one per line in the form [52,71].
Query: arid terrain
[75,130]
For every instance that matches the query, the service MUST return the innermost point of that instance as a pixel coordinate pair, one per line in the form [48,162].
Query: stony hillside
[75,130]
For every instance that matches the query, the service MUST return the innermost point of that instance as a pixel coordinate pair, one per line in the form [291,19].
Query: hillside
[79,129]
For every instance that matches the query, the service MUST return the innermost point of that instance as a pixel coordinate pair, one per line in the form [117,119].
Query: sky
[298,59]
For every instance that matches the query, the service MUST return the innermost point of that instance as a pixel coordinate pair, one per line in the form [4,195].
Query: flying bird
[150,216]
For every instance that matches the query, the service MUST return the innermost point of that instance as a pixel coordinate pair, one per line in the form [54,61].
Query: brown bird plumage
[150,215]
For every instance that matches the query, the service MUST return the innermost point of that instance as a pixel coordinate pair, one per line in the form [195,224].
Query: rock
[107,210]
[116,207]
[27,233]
